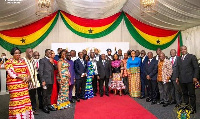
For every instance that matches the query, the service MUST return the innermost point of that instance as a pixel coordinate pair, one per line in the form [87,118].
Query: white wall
[191,38]
[61,34]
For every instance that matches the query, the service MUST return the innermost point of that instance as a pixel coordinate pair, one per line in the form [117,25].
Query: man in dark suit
[175,89]
[46,70]
[188,73]
[97,55]
[80,67]
[144,59]
[104,73]
[56,56]
[150,71]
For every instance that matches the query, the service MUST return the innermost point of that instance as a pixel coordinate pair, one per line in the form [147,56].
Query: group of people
[61,79]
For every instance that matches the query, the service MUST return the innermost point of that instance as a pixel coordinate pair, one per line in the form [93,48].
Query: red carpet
[113,107]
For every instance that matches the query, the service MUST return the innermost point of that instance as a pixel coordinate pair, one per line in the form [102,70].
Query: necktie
[82,62]
[182,57]
[149,61]
[172,60]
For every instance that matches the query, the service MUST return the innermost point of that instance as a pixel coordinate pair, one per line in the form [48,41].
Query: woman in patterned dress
[54,94]
[117,70]
[17,83]
[63,81]
[90,73]
[133,68]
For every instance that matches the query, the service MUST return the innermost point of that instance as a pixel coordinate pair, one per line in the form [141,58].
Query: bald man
[34,83]
[175,89]
[164,75]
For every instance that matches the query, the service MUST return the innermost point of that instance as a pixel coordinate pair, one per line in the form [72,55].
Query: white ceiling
[171,14]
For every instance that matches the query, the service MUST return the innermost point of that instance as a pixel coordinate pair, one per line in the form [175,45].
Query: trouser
[189,96]
[94,84]
[39,92]
[152,89]
[125,80]
[101,82]
[80,83]
[70,91]
[47,95]
[175,92]
[32,94]
[142,86]
[164,91]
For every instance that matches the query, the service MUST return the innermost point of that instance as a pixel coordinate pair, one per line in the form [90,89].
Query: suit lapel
[47,60]
[175,62]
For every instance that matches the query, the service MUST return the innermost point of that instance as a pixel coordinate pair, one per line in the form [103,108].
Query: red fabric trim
[28,29]
[178,48]
[150,30]
[92,22]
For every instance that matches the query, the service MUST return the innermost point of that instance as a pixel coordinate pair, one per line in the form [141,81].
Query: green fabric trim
[97,35]
[143,41]
[181,40]
[8,46]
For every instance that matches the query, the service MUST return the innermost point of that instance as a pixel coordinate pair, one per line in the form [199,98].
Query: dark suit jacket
[151,69]
[56,57]
[175,68]
[46,71]
[188,69]
[79,68]
[142,67]
[104,71]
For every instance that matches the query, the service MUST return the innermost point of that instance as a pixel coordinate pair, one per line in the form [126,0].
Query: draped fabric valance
[91,28]
[32,35]
[148,36]
[28,36]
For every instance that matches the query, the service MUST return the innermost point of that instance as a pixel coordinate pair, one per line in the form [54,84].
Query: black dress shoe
[165,105]
[153,102]
[46,110]
[160,102]
[78,100]
[40,107]
[173,102]
[72,101]
[148,100]
[142,97]
[51,108]
[101,95]
[95,94]
[107,95]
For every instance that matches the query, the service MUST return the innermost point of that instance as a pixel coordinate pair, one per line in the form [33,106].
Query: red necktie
[37,65]
[172,60]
